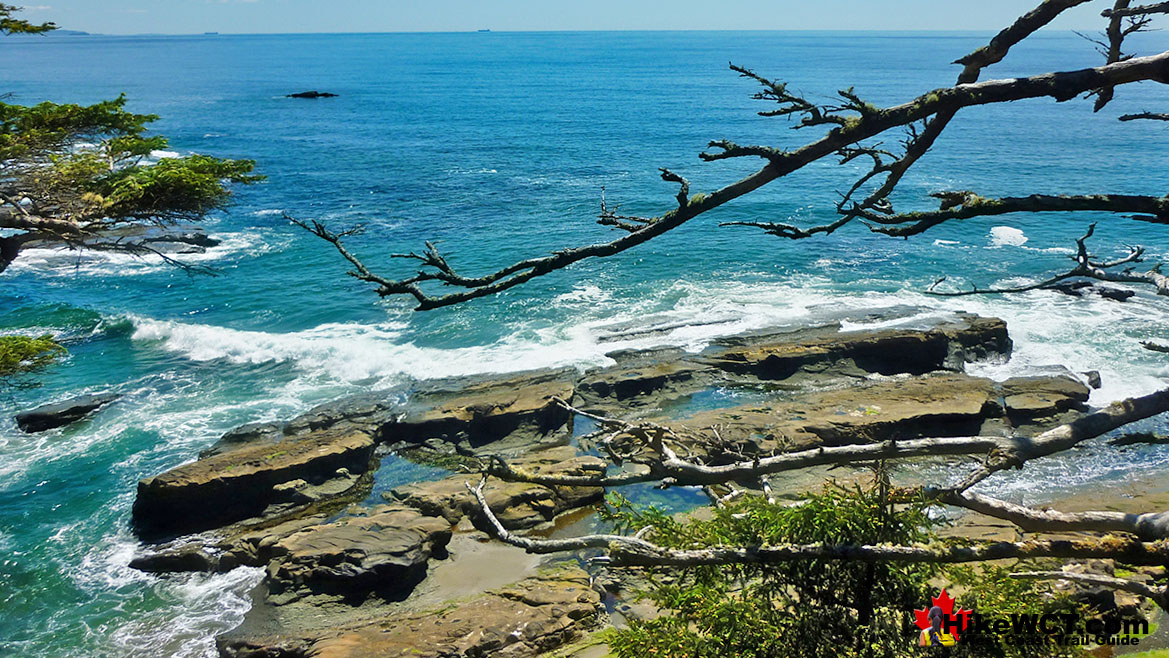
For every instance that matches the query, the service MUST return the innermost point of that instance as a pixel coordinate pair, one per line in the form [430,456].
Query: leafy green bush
[845,609]
[21,355]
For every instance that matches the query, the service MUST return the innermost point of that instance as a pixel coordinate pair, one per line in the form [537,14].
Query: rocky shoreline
[345,579]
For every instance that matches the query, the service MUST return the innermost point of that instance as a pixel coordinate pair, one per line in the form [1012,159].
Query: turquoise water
[496,145]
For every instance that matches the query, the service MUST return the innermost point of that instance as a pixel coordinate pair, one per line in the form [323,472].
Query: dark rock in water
[176,560]
[1078,288]
[194,238]
[1093,377]
[384,553]
[311,94]
[254,481]
[1136,438]
[168,240]
[1115,294]
[1072,288]
[64,413]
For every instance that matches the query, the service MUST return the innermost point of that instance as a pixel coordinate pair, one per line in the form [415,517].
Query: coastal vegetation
[82,177]
[11,25]
[89,176]
[21,356]
[857,608]
[765,579]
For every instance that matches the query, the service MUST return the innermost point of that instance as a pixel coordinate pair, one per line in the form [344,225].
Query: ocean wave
[210,604]
[462,171]
[355,353]
[63,262]
[583,294]
[1090,333]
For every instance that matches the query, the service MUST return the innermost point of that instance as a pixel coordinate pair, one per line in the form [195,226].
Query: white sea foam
[354,353]
[211,604]
[1048,329]
[589,294]
[182,410]
[1007,236]
[67,263]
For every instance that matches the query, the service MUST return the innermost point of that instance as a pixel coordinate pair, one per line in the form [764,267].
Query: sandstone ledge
[524,620]
[250,482]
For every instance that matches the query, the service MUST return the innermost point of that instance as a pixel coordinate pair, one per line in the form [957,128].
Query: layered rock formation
[253,482]
[526,619]
[279,495]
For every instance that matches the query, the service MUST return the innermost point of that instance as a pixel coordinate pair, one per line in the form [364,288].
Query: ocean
[496,146]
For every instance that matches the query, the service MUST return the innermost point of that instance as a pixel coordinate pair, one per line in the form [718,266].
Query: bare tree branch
[1085,268]
[919,142]
[1002,452]
[1149,526]
[1145,115]
[1155,594]
[1139,10]
[967,205]
[868,123]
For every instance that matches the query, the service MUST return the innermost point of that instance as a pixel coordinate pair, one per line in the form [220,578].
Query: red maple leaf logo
[943,601]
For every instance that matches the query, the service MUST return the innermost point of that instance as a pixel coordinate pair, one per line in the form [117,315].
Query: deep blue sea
[496,146]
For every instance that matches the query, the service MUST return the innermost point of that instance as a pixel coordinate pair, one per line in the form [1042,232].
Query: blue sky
[245,16]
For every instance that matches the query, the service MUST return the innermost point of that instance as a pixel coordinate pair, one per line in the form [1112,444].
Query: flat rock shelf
[347,578]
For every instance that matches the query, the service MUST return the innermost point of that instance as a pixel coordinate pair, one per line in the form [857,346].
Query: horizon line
[67,32]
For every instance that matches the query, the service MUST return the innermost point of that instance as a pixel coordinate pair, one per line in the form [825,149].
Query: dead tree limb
[1136,539]
[1152,116]
[967,205]
[1002,452]
[850,123]
[1128,551]
[1157,594]
[1085,268]
[1139,10]
[1149,526]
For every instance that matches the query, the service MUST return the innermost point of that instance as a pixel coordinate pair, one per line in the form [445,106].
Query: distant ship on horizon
[210,33]
[484,30]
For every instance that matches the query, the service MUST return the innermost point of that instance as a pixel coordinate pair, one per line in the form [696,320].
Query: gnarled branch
[1085,268]
[868,124]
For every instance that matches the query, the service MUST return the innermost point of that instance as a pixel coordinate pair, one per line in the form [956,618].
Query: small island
[311,94]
